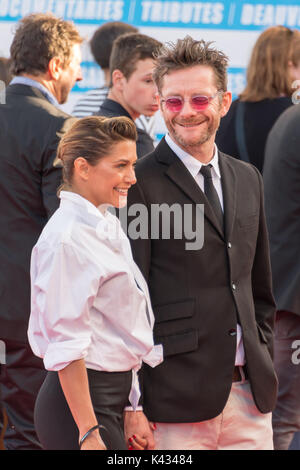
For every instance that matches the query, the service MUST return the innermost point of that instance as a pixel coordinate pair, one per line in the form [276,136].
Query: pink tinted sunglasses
[197,102]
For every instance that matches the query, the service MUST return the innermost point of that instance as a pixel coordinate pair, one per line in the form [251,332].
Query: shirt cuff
[130,408]
[61,354]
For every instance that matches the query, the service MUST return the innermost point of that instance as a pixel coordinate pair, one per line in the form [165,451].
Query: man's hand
[138,431]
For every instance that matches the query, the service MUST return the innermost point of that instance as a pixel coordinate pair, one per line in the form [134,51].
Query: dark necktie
[211,193]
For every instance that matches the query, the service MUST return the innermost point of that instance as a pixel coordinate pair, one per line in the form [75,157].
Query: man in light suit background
[282,195]
[213,305]
[46,56]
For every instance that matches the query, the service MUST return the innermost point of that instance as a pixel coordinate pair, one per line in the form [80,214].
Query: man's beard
[65,89]
[198,140]
[64,95]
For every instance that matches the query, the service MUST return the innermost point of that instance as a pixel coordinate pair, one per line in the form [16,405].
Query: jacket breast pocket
[173,317]
[249,222]
[178,344]
[174,326]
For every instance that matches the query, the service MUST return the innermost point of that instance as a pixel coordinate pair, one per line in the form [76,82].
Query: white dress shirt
[88,298]
[194,166]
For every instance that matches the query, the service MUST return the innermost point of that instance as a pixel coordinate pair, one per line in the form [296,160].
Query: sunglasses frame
[190,100]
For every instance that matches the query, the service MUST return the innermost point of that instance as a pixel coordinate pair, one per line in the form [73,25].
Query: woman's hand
[136,424]
[138,443]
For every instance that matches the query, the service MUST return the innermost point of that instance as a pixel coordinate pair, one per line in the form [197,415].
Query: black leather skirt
[54,423]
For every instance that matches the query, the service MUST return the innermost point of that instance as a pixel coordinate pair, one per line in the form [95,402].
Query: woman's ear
[81,168]
[294,70]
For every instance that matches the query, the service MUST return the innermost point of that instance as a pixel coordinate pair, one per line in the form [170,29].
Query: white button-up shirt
[194,166]
[88,298]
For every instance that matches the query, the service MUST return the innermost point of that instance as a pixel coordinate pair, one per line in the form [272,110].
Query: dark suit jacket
[30,128]
[198,296]
[144,143]
[282,197]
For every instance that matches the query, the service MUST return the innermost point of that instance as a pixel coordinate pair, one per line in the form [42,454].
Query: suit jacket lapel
[229,188]
[180,175]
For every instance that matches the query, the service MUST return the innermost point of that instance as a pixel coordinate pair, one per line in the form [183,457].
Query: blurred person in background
[5,77]
[132,91]
[45,56]
[282,200]
[101,46]
[274,66]
[5,74]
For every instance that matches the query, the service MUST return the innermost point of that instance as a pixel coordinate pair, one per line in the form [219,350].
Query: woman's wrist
[86,427]
[90,432]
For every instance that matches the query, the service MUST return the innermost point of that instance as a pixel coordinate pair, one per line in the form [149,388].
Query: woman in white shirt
[91,319]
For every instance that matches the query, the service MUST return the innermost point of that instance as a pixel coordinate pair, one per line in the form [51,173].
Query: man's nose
[187,108]
[79,75]
[155,91]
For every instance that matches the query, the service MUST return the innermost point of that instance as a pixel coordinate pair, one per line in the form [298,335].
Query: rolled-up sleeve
[64,284]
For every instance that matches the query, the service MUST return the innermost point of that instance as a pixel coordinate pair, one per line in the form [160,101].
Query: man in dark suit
[213,304]
[46,59]
[282,197]
[132,92]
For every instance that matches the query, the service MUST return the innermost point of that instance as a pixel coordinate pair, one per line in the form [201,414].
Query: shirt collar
[192,164]
[78,200]
[114,107]
[30,82]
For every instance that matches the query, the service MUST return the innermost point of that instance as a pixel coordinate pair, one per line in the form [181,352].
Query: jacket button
[233,286]
[229,245]
[232,332]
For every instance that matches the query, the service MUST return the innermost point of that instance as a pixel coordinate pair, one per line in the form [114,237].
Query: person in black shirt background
[274,65]
[45,56]
[132,89]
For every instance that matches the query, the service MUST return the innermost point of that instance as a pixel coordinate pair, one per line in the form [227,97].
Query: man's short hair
[128,49]
[40,37]
[186,53]
[103,38]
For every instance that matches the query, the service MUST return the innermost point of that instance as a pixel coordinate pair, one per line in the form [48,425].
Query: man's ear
[226,103]
[54,68]
[157,96]
[117,79]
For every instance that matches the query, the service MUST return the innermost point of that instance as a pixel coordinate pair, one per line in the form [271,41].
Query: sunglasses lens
[200,102]
[174,104]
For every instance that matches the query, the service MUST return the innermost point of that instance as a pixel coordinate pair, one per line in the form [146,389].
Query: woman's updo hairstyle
[92,138]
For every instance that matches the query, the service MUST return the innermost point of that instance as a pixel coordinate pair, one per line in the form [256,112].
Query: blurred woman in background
[5,75]
[274,66]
